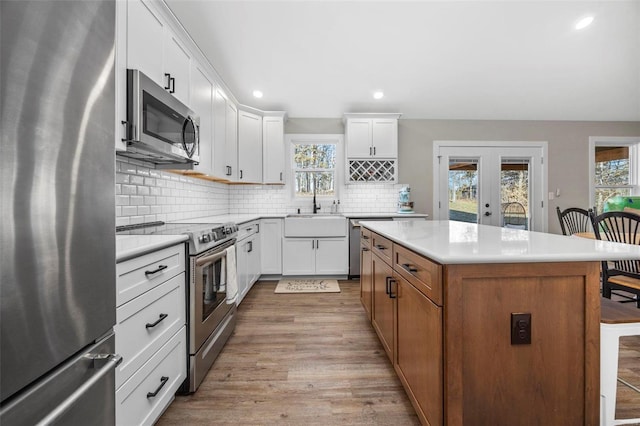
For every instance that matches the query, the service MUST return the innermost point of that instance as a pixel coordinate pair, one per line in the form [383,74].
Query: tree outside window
[612,173]
[314,167]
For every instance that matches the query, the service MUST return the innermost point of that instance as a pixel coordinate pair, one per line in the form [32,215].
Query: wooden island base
[448,332]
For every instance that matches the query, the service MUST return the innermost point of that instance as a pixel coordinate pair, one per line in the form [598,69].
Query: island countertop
[450,242]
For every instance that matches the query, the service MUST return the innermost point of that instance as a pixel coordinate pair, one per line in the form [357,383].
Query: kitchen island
[487,325]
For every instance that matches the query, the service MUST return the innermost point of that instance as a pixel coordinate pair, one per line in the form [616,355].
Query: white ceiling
[433,59]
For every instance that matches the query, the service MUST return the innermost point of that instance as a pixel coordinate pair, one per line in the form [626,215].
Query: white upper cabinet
[202,92]
[273,147]
[121,76]
[231,142]
[177,64]
[225,139]
[249,147]
[371,135]
[154,49]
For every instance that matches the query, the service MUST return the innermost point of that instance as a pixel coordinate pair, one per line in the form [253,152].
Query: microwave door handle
[212,258]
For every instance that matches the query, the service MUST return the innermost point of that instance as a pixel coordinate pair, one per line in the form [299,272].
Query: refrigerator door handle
[108,361]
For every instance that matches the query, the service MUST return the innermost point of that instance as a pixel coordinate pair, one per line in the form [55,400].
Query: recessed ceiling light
[584,22]
[378,95]
[257,94]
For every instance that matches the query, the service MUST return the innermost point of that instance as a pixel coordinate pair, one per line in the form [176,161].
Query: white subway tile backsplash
[146,194]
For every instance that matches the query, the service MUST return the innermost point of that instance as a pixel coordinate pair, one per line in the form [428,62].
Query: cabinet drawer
[365,237]
[382,247]
[141,274]
[135,404]
[425,275]
[146,323]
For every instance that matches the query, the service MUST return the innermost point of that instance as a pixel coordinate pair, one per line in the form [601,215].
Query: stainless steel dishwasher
[354,243]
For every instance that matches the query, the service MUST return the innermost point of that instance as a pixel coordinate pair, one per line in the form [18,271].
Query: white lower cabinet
[271,246]
[315,256]
[150,334]
[145,396]
[248,264]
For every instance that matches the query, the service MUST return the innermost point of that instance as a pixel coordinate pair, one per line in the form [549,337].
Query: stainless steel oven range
[211,301]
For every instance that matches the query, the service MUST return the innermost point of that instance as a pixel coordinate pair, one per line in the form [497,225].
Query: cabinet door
[332,256]
[145,35]
[366,279]
[121,75]
[242,268]
[271,246]
[383,305]
[249,147]
[273,145]
[359,138]
[177,62]
[232,142]
[299,256]
[202,104]
[254,259]
[219,150]
[384,138]
[419,357]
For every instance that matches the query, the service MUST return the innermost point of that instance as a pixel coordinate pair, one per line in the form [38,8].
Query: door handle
[391,295]
[173,85]
[168,86]
[151,325]
[240,174]
[388,285]
[250,247]
[280,176]
[317,244]
[487,213]
[407,267]
[313,244]
[112,361]
[163,381]
[160,268]
[374,150]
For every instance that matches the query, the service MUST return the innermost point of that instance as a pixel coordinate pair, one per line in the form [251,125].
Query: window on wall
[615,173]
[314,169]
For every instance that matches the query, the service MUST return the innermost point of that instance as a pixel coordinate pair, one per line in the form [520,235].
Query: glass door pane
[463,190]
[514,193]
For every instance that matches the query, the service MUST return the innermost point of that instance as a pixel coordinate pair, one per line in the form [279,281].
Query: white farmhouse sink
[315,225]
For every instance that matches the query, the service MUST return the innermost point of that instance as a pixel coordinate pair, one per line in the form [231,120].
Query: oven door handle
[212,258]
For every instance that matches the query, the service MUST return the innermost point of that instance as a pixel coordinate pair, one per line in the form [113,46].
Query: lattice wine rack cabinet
[372,171]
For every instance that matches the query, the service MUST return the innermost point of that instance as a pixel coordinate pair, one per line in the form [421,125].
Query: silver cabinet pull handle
[163,381]
[160,268]
[112,361]
[151,325]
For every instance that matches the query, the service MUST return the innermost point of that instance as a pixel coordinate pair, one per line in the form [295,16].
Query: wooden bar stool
[616,320]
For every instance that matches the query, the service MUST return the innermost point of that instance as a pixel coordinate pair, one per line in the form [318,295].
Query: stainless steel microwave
[160,128]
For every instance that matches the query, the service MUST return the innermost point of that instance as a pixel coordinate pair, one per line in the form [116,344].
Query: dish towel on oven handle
[232,276]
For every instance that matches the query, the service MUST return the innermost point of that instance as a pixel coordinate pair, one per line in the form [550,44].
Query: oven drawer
[135,402]
[141,274]
[146,323]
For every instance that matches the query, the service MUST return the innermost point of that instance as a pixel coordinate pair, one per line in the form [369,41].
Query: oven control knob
[205,238]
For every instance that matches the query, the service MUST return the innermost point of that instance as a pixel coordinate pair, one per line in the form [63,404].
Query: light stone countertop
[130,246]
[244,218]
[449,242]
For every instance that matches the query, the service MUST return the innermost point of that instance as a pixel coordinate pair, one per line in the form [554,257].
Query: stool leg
[609,341]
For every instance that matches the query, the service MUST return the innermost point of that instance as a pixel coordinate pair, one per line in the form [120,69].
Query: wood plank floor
[298,359]
[314,359]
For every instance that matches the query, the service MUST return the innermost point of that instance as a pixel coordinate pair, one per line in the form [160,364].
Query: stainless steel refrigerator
[58,241]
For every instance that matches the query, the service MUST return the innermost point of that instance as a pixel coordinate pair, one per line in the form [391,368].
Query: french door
[498,185]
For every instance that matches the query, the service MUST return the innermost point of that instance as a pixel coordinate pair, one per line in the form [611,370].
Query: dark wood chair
[620,227]
[574,220]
